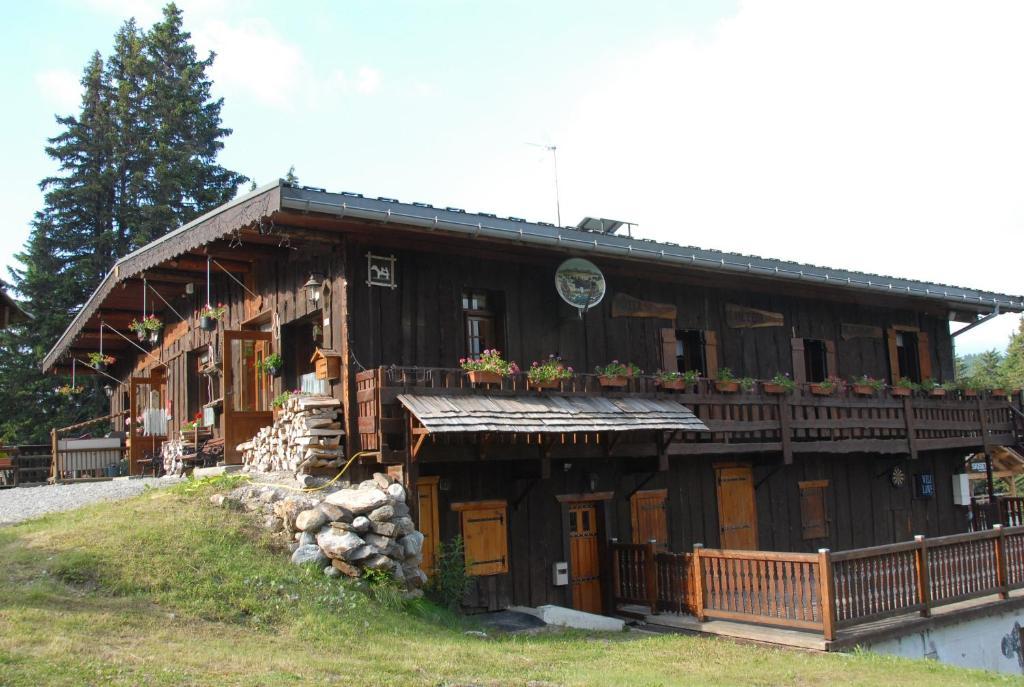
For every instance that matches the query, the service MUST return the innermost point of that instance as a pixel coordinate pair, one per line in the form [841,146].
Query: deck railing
[826,592]
[751,421]
[25,464]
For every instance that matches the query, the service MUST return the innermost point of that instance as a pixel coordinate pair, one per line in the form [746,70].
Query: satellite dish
[580,284]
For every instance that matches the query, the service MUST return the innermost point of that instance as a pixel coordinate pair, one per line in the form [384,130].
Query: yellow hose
[309,490]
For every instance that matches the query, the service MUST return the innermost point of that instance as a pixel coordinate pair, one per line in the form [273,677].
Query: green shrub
[450,580]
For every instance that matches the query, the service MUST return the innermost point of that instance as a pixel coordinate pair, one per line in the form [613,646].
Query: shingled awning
[539,414]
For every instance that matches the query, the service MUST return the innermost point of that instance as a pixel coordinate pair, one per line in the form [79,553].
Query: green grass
[165,589]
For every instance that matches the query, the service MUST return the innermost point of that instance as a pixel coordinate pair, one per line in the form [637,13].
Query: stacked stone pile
[306,434]
[345,531]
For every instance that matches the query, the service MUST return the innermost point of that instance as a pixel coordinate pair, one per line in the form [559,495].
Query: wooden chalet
[375,301]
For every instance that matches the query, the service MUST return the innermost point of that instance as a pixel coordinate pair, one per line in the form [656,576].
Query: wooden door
[648,515]
[427,520]
[147,400]
[737,508]
[247,402]
[585,559]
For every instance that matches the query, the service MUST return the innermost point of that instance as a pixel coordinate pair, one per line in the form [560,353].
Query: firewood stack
[306,435]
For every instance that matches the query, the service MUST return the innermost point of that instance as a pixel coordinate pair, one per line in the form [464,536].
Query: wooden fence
[26,464]
[826,591]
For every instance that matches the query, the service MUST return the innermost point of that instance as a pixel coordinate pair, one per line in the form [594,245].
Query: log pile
[307,434]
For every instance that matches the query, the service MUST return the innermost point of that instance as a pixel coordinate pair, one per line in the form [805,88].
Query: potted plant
[194,425]
[210,315]
[100,361]
[548,374]
[147,328]
[867,386]
[780,384]
[826,387]
[726,382]
[67,391]
[932,388]
[616,375]
[488,368]
[271,364]
[747,383]
[968,387]
[998,393]
[677,381]
[903,387]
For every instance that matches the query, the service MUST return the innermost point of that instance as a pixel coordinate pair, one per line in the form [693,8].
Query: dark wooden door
[585,561]
[147,412]
[247,402]
[737,509]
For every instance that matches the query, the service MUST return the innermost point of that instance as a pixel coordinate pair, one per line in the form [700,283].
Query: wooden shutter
[426,496]
[830,359]
[813,513]
[668,350]
[894,357]
[711,354]
[799,361]
[648,509]
[485,536]
[924,356]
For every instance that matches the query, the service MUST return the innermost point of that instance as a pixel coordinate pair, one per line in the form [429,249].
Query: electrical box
[962,489]
[560,574]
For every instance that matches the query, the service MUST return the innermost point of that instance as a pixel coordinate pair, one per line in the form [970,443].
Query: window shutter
[711,354]
[813,514]
[830,359]
[668,350]
[924,355]
[485,536]
[894,357]
[648,516]
[799,361]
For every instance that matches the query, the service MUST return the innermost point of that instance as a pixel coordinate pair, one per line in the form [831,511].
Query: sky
[879,136]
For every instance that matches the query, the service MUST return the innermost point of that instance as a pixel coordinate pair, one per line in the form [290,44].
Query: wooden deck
[740,423]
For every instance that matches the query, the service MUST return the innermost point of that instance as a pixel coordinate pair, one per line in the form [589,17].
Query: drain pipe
[977,322]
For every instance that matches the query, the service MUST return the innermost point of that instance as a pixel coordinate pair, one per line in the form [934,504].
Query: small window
[908,357]
[813,510]
[484,321]
[690,351]
[815,361]
[485,536]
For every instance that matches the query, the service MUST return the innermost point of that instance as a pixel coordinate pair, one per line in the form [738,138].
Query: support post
[698,583]
[924,590]
[54,468]
[651,574]
[785,432]
[616,577]
[1002,581]
[908,419]
[827,594]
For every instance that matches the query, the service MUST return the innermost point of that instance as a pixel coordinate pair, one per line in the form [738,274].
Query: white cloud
[367,80]
[61,88]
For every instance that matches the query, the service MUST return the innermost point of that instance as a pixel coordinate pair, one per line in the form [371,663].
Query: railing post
[827,594]
[1001,577]
[651,575]
[698,583]
[616,577]
[54,454]
[924,590]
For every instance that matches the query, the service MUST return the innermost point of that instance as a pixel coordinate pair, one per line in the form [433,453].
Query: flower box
[937,392]
[478,377]
[901,391]
[673,385]
[773,389]
[541,386]
[821,389]
[727,387]
[998,393]
[970,393]
[864,390]
[613,381]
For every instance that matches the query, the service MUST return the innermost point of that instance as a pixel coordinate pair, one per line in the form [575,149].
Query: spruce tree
[1013,363]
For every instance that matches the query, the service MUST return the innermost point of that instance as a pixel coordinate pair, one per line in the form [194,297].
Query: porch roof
[440,413]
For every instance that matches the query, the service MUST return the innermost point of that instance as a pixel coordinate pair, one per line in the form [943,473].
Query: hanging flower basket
[99,361]
[210,315]
[271,365]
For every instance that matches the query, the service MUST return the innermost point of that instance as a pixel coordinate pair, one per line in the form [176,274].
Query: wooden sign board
[859,331]
[624,305]
[328,364]
[740,317]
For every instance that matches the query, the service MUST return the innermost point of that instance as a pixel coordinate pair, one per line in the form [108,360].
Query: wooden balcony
[742,422]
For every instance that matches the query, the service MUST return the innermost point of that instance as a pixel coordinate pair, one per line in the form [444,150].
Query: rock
[412,543]
[368,484]
[405,526]
[475,633]
[360,501]
[289,508]
[306,481]
[306,538]
[269,496]
[311,520]
[335,513]
[336,544]
[331,571]
[361,524]
[386,529]
[310,553]
[377,540]
[343,526]
[397,492]
[345,568]
[413,594]
[383,481]
[362,553]
[292,546]
[401,510]
[218,499]
[382,514]
[395,550]
[378,562]
[272,523]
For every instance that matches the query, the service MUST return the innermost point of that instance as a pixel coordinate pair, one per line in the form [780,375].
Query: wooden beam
[189,263]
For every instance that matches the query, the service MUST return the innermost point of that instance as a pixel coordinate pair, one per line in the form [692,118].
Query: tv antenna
[553,149]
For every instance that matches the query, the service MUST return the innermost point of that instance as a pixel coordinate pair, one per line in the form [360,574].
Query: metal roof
[547,414]
[11,311]
[484,225]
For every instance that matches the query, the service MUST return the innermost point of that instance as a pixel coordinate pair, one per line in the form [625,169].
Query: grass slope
[165,589]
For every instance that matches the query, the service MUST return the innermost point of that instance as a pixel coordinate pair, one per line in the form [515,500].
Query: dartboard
[897,476]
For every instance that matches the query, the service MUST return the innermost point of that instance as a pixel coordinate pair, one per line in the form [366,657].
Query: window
[690,351]
[909,354]
[813,511]
[482,311]
[648,516]
[814,360]
[485,536]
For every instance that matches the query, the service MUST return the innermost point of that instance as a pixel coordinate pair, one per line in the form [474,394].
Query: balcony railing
[746,421]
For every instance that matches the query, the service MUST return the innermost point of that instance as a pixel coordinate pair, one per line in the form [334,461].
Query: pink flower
[569,369]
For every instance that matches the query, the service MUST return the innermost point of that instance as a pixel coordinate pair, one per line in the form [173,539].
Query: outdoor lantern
[108,390]
[313,286]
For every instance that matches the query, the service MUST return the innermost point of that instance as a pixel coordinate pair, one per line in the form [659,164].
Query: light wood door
[247,402]
[426,495]
[147,404]
[585,561]
[737,509]
[648,515]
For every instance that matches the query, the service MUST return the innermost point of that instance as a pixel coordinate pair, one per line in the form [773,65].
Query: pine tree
[291,177]
[986,371]
[1013,364]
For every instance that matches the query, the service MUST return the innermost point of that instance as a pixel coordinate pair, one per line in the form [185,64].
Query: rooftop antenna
[553,149]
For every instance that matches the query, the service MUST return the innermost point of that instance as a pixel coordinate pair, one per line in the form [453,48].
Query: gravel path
[31,502]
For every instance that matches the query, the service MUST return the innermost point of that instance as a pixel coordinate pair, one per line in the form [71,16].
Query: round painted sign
[580,283]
